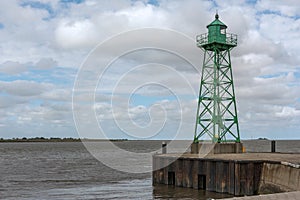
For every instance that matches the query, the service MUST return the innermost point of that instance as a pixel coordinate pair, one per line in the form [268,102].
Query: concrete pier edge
[278,196]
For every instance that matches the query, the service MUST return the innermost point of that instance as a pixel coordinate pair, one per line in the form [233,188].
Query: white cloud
[288,112]
[57,94]
[265,62]
[10,101]
[16,68]
[72,34]
[46,63]
[288,8]
[12,67]
[24,88]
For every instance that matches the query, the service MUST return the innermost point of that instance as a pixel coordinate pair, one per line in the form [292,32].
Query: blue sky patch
[137,99]
[58,76]
[297,74]
[214,4]
[276,12]
[41,6]
[269,12]
[72,1]
[251,2]
[270,75]
[153,2]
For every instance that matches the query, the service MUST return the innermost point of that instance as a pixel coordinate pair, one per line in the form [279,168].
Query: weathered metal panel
[243,178]
[202,167]
[231,177]
[172,166]
[225,181]
[237,179]
[187,173]
[195,172]
[178,172]
[222,174]
[257,176]
[158,173]
[219,176]
[211,176]
[249,178]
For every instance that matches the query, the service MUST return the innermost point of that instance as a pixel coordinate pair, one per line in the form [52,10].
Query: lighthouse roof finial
[217,22]
[217,15]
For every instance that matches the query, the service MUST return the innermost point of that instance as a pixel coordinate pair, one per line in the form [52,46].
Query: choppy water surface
[69,171]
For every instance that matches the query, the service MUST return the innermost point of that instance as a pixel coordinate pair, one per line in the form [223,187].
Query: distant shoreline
[42,139]
[55,139]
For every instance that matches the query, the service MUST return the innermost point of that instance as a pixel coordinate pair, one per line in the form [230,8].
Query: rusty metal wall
[237,178]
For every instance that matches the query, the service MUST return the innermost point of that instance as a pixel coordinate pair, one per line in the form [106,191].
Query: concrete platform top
[279,196]
[283,158]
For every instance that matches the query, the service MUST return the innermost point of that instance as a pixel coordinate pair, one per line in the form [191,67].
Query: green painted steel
[217,111]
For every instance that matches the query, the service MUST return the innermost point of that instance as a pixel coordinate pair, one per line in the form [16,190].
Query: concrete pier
[278,196]
[216,148]
[237,174]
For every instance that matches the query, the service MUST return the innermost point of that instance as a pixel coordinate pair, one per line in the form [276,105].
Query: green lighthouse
[217,111]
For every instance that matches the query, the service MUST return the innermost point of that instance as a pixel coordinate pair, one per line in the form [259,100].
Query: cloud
[57,94]
[44,44]
[9,101]
[16,68]
[46,63]
[87,32]
[12,67]
[72,34]
[290,8]
[288,113]
[23,88]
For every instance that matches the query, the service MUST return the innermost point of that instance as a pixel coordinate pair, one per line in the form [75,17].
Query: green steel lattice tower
[217,112]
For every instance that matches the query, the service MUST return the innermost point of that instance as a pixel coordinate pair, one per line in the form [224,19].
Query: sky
[147,93]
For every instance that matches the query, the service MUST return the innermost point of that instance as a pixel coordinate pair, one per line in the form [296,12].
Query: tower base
[216,148]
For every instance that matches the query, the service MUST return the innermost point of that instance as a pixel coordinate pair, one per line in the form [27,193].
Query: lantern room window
[223,31]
